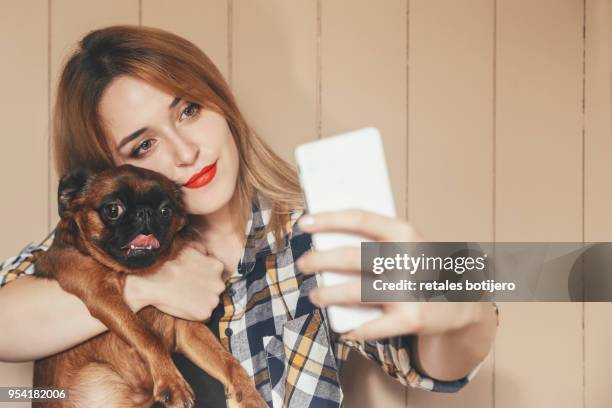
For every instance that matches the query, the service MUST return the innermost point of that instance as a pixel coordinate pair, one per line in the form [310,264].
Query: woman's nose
[185,151]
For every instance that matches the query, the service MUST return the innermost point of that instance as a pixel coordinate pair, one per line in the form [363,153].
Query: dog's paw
[243,390]
[248,399]
[174,392]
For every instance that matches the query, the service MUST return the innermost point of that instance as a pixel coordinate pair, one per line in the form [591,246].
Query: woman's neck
[222,233]
[223,222]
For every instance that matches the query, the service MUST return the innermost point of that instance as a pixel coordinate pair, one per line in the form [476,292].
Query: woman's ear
[70,186]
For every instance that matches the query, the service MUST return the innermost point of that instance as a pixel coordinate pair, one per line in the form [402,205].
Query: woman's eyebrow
[131,137]
[137,133]
[174,102]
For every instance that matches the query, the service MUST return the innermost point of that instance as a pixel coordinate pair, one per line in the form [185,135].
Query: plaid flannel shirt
[268,323]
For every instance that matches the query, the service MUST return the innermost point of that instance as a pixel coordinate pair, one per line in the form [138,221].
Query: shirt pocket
[301,365]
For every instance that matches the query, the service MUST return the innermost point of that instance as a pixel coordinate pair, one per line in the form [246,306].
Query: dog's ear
[70,186]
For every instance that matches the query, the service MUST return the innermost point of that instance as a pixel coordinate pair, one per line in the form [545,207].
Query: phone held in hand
[342,172]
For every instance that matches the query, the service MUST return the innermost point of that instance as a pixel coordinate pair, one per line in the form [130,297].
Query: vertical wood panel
[539,191]
[450,189]
[539,120]
[70,20]
[451,119]
[203,22]
[598,121]
[274,77]
[363,51]
[23,146]
[363,79]
[598,194]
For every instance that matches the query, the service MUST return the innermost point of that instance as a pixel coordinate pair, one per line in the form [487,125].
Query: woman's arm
[39,318]
[448,340]
[453,354]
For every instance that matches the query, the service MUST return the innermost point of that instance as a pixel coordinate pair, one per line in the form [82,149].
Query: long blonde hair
[177,66]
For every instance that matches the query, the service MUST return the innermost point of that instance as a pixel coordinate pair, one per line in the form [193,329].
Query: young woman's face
[192,146]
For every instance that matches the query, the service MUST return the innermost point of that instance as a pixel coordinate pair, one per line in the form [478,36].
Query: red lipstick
[203,177]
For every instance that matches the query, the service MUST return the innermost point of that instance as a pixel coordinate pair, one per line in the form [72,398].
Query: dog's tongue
[145,241]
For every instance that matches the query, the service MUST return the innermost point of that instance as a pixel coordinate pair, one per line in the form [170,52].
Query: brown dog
[126,220]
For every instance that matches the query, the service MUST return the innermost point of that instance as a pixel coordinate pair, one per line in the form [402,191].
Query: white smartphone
[341,172]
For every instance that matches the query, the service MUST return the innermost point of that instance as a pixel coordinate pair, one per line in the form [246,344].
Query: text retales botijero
[422,263]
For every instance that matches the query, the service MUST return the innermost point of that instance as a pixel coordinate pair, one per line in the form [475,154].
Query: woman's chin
[206,201]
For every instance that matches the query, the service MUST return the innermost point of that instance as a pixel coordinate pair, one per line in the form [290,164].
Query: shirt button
[229,332]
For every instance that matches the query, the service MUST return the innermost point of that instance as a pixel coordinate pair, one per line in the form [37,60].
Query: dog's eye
[113,211]
[165,211]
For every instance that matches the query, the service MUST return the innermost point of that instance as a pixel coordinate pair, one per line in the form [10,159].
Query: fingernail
[306,220]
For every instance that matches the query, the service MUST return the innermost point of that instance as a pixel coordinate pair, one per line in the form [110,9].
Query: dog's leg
[169,386]
[97,385]
[199,344]
[101,290]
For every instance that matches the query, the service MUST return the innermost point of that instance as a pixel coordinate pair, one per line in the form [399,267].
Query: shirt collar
[258,241]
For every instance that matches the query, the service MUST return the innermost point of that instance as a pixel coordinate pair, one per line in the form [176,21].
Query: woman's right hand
[187,287]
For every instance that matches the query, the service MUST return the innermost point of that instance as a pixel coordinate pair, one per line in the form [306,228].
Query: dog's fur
[130,365]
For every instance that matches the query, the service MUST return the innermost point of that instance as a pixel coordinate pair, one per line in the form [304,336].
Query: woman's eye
[191,110]
[143,147]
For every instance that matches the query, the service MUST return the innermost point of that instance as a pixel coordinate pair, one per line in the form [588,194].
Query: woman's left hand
[399,318]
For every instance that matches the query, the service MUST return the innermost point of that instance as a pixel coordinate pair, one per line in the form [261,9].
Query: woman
[150,98]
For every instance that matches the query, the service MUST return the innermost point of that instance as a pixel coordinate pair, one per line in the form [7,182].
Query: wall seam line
[494,177]
[49,131]
[319,69]
[407,185]
[230,41]
[583,309]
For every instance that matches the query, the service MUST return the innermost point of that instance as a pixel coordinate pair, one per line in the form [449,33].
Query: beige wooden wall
[496,117]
